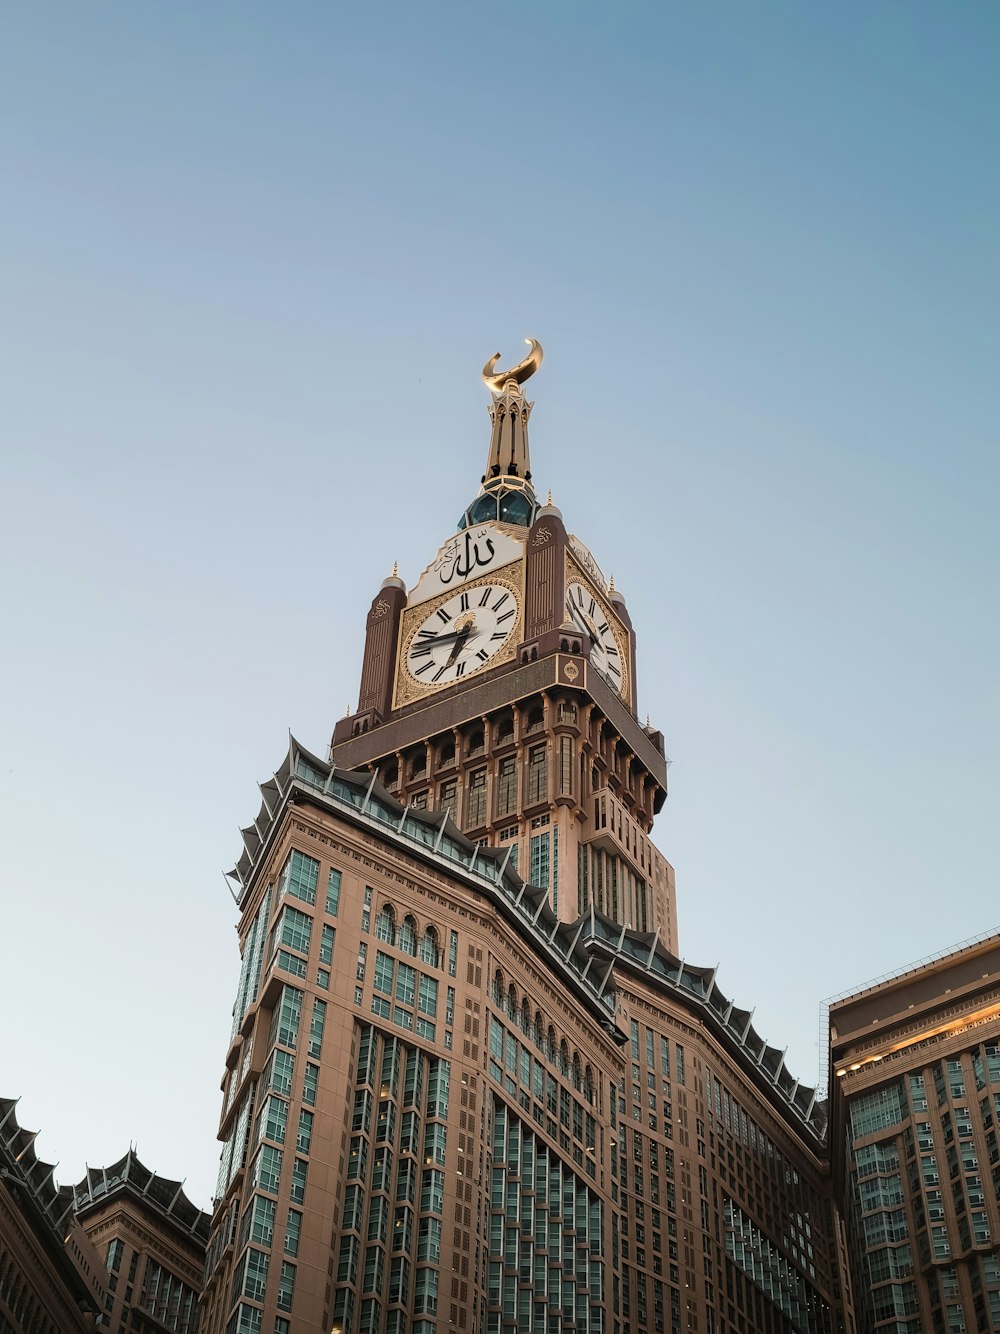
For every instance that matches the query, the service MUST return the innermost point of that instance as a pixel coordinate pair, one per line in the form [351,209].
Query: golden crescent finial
[496,380]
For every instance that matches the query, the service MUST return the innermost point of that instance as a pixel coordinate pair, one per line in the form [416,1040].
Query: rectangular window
[309,1085]
[286,1286]
[285,1025]
[327,938]
[384,969]
[291,963]
[303,1140]
[333,892]
[278,1072]
[316,1025]
[428,995]
[507,786]
[266,1170]
[448,798]
[299,877]
[475,805]
[262,1220]
[405,983]
[300,1170]
[565,765]
[539,873]
[538,773]
[453,954]
[273,1119]
[293,1231]
[294,929]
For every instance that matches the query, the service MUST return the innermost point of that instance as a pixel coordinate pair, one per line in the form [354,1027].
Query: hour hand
[462,637]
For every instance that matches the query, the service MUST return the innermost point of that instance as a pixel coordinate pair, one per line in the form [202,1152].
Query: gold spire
[548,499]
[395,569]
[509,412]
[611,584]
[500,380]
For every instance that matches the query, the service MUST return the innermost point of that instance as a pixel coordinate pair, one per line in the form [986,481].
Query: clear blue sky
[252,257]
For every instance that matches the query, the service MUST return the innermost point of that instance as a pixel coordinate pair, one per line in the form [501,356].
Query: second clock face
[462,635]
[585,611]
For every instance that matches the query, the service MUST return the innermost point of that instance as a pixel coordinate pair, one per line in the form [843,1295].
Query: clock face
[585,611]
[462,635]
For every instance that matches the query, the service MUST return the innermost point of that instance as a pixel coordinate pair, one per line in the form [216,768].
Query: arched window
[505,730]
[576,1071]
[539,1034]
[525,1019]
[390,777]
[429,947]
[536,719]
[499,991]
[446,755]
[408,936]
[563,1058]
[385,924]
[588,1084]
[512,1003]
[550,1043]
[476,742]
[418,765]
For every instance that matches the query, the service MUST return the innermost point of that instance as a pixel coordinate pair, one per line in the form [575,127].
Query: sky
[252,259]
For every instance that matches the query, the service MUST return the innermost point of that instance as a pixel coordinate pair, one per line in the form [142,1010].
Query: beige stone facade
[914,1109]
[151,1240]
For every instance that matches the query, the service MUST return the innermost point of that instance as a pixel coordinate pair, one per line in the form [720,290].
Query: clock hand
[461,639]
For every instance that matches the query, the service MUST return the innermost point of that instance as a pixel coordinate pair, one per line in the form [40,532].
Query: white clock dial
[585,611]
[462,635]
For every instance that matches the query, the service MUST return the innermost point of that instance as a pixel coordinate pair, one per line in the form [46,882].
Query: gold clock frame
[406,689]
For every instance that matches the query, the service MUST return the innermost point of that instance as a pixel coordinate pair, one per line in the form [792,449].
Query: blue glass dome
[507,500]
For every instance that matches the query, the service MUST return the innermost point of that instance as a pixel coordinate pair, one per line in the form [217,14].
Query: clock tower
[501,687]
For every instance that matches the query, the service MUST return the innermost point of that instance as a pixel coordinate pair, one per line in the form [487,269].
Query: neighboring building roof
[360,798]
[432,836]
[129,1175]
[46,1206]
[643,954]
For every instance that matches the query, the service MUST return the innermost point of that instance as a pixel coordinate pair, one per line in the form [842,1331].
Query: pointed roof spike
[395,569]
[548,498]
[611,584]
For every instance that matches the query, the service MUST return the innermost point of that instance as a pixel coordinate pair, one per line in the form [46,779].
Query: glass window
[538,773]
[294,929]
[333,892]
[293,1231]
[299,877]
[327,938]
[507,786]
[475,813]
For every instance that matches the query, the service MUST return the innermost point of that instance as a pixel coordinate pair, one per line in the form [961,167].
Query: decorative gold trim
[406,688]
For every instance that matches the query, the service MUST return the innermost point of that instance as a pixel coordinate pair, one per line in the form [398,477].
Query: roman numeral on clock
[444,615]
[464,604]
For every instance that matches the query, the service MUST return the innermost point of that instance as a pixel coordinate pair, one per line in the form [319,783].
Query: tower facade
[470,1085]
[501,687]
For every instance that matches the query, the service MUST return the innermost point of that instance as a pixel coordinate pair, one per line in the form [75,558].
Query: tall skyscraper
[470,1084]
[914,1109]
